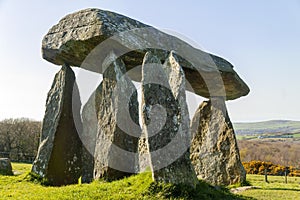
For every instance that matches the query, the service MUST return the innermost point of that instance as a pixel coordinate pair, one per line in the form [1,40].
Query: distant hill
[272,126]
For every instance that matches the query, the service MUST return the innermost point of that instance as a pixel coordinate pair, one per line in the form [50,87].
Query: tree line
[281,152]
[19,139]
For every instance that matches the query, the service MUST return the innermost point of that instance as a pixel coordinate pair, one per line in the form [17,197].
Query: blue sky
[260,38]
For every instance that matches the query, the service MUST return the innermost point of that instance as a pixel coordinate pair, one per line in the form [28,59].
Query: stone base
[5,167]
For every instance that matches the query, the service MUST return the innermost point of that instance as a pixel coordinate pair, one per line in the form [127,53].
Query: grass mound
[25,186]
[202,191]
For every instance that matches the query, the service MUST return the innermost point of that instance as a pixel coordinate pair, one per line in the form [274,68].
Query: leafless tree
[19,138]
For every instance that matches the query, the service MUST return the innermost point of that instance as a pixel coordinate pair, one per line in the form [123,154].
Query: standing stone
[5,167]
[89,134]
[144,156]
[116,153]
[166,121]
[214,150]
[59,155]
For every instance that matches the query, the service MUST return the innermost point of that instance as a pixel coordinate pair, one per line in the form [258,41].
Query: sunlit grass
[276,189]
[140,186]
[296,135]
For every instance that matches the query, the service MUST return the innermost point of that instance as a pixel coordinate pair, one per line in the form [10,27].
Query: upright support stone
[116,153]
[166,121]
[88,137]
[144,156]
[214,150]
[59,155]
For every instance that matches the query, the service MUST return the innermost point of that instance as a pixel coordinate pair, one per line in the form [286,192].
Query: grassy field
[276,189]
[273,126]
[139,187]
[136,187]
[246,137]
[297,135]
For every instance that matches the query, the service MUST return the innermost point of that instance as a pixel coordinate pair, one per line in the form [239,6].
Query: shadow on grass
[35,178]
[202,191]
[6,173]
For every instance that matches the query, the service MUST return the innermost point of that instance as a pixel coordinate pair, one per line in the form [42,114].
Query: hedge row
[258,167]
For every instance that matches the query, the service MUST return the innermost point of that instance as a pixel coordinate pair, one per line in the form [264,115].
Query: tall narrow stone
[59,155]
[116,153]
[144,156]
[214,150]
[88,137]
[166,121]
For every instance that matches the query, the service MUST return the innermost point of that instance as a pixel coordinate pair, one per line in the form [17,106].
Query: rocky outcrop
[116,153]
[88,136]
[166,121]
[5,167]
[214,150]
[59,155]
[75,40]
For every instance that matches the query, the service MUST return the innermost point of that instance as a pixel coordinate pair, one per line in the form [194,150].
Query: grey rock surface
[116,152]
[144,155]
[88,136]
[166,121]
[75,40]
[214,150]
[5,167]
[59,155]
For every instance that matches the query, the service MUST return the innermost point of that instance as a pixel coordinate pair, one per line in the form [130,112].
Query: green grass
[297,135]
[140,186]
[246,137]
[276,189]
